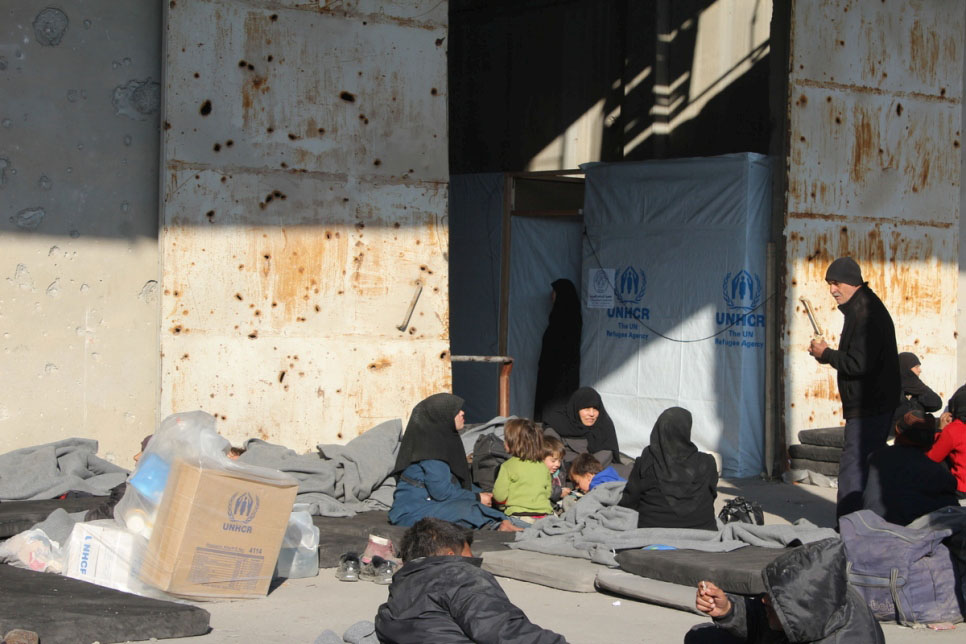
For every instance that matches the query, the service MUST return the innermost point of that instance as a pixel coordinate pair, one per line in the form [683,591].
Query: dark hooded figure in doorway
[673,485]
[558,371]
[583,425]
[433,478]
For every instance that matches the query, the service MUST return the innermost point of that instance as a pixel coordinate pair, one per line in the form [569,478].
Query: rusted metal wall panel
[873,172]
[79,115]
[305,196]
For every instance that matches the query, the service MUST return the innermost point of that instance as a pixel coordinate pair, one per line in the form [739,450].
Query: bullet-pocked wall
[305,181]
[79,115]
[874,167]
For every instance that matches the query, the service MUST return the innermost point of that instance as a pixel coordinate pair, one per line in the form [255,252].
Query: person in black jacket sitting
[808,599]
[904,483]
[672,485]
[441,594]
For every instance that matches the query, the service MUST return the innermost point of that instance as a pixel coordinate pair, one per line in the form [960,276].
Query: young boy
[587,472]
[442,595]
[553,453]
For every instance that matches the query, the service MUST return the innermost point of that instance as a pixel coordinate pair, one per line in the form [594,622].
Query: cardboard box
[217,534]
[105,554]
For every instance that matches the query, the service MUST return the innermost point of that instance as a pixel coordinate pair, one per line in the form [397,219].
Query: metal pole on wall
[770,288]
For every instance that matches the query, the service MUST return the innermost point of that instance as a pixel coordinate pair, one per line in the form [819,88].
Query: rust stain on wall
[865,145]
[923,52]
[298,267]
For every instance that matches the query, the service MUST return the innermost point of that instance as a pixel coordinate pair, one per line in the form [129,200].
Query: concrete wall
[304,202]
[79,114]
[874,167]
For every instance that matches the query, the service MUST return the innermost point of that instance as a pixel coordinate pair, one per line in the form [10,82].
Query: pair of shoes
[349,567]
[379,547]
[379,570]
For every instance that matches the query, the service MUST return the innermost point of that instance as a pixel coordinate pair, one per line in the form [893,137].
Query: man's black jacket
[450,599]
[867,361]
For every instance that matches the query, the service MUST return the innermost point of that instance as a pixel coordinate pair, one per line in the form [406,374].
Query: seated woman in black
[583,425]
[433,478]
[916,395]
[673,485]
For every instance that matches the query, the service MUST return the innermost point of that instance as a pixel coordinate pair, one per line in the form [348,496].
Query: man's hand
[564,491]
[711,600]
[486,498]
[817,348]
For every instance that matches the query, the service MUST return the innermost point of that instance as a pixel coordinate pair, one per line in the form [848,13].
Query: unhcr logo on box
[242,508]
[630,287]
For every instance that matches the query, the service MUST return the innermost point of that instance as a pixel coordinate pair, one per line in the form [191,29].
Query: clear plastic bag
[299,556]
[33,550]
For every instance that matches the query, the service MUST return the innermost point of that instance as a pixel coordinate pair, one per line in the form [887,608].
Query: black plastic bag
[742,510]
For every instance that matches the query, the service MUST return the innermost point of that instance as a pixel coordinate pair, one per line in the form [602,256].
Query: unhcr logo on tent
[242,508]
[742,293]
[630,288]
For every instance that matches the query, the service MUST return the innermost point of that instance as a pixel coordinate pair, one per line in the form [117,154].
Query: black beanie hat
[845,271]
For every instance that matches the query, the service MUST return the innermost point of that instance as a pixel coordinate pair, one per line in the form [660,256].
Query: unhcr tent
[674,292]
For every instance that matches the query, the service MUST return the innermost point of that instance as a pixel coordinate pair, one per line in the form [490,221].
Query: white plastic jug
[299,556]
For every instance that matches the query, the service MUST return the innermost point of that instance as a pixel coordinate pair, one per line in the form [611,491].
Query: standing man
[867,363]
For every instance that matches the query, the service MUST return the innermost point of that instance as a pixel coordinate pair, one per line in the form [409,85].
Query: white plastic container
[299,556]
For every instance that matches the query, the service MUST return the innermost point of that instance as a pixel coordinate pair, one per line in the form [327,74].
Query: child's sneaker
[349,567]
[381,547]
[378,570]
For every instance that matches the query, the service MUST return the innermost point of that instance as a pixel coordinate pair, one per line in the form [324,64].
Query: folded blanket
[596,527]
[338,480]
[50,470]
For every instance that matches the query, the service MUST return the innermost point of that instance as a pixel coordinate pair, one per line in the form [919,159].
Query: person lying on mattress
[904,483]
[441,595]
[807,599]
[581,421]
[433,478]
[672,484]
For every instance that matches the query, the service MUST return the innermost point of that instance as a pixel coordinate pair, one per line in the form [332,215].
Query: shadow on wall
[521,74]
[79,121]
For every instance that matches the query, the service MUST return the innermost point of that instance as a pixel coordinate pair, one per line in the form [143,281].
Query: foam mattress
[17,516]
[738,571]
[62,610]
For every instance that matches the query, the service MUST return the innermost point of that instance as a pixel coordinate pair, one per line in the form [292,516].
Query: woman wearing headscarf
[915,396]
[950,445]
[583,418]
[433,478]
[558,371]
[673,485]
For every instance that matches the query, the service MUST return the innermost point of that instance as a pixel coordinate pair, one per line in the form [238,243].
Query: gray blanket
[596,527]
[338,480]
[48,471]
[470,435]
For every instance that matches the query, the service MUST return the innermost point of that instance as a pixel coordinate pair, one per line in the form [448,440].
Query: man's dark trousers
[863,436]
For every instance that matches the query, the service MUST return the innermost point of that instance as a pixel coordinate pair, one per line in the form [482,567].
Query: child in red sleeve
[950,445]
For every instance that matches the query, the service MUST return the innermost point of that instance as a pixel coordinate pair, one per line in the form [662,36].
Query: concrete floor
[300,609]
